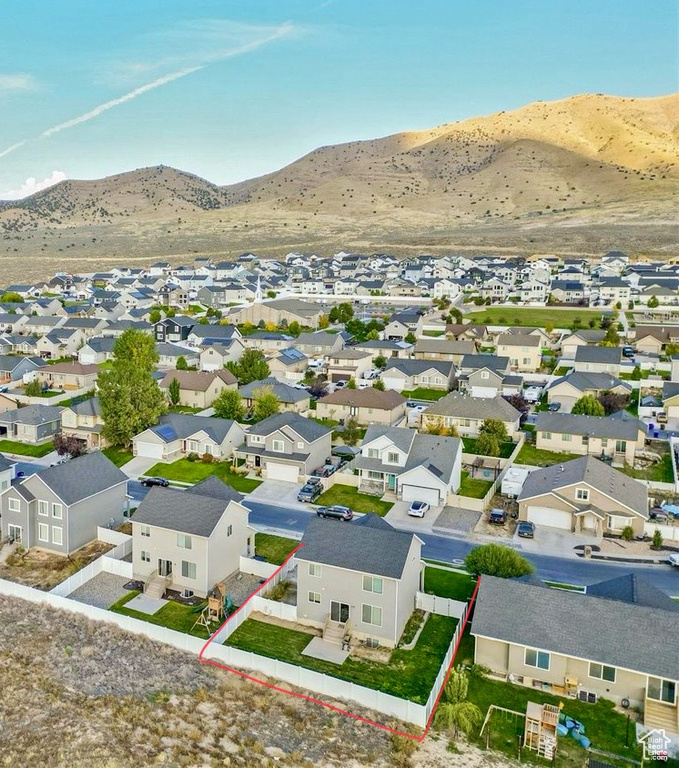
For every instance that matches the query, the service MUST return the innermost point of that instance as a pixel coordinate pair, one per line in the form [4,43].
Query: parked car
[525,529]
[628,352]
[341,384]
[336,511]
[497,517]
[310,491]
[673,559]
[345,451]
[325,471]
[4,389]
[161,481]
[554,407]
[418,509]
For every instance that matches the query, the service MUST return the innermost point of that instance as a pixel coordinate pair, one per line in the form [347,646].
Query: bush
[497,560]
[192,457]
[627,533]
[207,458]
[657,540]
[33,389]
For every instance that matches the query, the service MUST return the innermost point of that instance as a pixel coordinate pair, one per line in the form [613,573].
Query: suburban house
[620,438]
[402,324]
[286,447]
[523,350]
[169,354]
[175,329]
[584,496]
[443,349]
[60,508]
[84,422]
[598,360]
[217,355]
[190,540]
[7,403]
[68,376]
[179,434]
[275,311]
[613,644]
[670,399]
[367,406]
[349,364]
[361,580]
[97,350]
[467,332]
[290,398]
[60,343]
[651,339]
[289,365]
[319,343]
[569,389]
[414,466]
[407,375]
[568,291]
[577,339]
[467,414]
[199,389]
[13,368]
[487,376]
[32,424]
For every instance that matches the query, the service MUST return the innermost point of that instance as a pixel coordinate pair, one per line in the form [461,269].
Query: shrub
[627,533]
[192,457]
[207,458]
[497,560]
[33,389]
[657,540]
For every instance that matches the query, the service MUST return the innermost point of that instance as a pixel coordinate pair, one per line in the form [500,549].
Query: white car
[418,509]
[674,559]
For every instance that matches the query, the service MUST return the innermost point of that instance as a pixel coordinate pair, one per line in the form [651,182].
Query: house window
[373,453]
[526,360]
[546,435]
[43,532]
[620,446]
[57,535]
[372,614]
[145,530]
[315,569]
[617,522]
[57,511]
[209,449]
[372,584]
[566,438]
[43,508]
[188,570]
[582,494]
[602,672]
[256,439]
[485,375]
[424,379]
[315,597]
[392,458]
[538,659]
[145,556]
[229,531]
[661,690]
[14,505]
[374,475]
[300,446]
[463,422]
[278,446]
[183,541]
[604,442]
[193,446]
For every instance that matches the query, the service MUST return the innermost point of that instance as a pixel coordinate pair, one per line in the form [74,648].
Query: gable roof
[365,546]
[32,414]
[284,392]
[606,355]
[306,428]
[518,340]
[585,380]
[89,407]
[464,406]
[198,381]
[401,437]
[633,588]
[186,512]
[173,426]
[369,397]
[411,367]
[215,488]
[595,426]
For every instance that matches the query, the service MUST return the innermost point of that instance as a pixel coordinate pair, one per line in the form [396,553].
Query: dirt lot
[44,570]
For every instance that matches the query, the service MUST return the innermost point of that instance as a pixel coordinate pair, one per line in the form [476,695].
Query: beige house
[199,389]
[290,398]
[217,355]
[68,376]
[577,339]
[190,540]
[653,338]
[670,395]
[467,414]
[367,406]
[288,366]
[443,349]
[598,360]
[619,437]
[584,496]
[359,583]
[610,643]
[348,364]
[275,311]
[180,434]
[569,389]
[7,403]
[84,421]
[410,374]
[523,350]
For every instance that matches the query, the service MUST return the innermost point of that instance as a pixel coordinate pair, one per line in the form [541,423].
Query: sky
[232,89]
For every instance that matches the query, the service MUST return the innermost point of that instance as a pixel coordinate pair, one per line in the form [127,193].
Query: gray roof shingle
[466,407]
[305,428]
[595,426]
[81,478]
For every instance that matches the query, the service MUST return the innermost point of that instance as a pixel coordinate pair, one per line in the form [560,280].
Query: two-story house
[348,364]
[190,540]
[319,343]
[179,434]
[467,413]
[6,472]
[199,389]
[408,375]
[217,355]
[60,508]
[85,422]
[598,360]
[523,350]
[414,466]
[443,349]
[286,447]
[361,580]
[367,406]
[175,329]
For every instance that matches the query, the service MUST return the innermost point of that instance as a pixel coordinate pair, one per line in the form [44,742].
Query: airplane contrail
[12,148]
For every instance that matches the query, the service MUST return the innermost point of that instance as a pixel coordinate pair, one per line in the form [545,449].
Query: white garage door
[416,493]
[287,472]
[484,391]
[150,450]
[552,517]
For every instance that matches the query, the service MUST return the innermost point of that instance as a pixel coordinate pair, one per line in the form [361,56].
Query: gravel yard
[456,520]
[239,589]
[103,590]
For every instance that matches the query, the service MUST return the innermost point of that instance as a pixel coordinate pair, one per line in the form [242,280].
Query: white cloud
[32,185]
[17,82]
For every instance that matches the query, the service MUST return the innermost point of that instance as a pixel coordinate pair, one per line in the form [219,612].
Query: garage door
[150,450]
[416,493]
[552,517]
[484,391]
[286,472]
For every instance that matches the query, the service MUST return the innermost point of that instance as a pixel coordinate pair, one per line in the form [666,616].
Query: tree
[11,297]
[618,305]
[342,313]
[266,403]
[318,386]
[653,302]
[497,560]
[356,328]
[517,401]
[630,304]
[410,338]
[636,373]
[294,328]
[657,540]
[373,335]
[549,327]
[351,384]
[455,315]
[496,428]
[588,405]
[33,389]
[379,384]
[137,348]
[612,403]
[173,392]
[271,294]
[170,312]
[154,316]
[380,362]
[455,713]
[487,444]
[611,338]
[182,364]
[69,445]
[323,322]
[351,431]
[270,326]
[252,366]
[229,405]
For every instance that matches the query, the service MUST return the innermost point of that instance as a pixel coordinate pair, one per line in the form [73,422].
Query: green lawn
[529,454]
[660,473]
[409,674]
[533,316]
[473,487]
[24,449]
[457,586]
[435,334]
[422,393]
[505,449]
[118,456]
[348,496]
[48,393]
[183,409]
[55,360]
[194,471]
[274,548]
[172,615]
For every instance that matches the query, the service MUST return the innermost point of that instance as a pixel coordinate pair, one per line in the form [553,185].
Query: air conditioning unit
[587,697]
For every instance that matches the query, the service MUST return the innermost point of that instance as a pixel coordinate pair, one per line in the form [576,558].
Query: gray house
[60,508]
[410,374]
[359,580]
[12,368]
[32,424]
[598,360]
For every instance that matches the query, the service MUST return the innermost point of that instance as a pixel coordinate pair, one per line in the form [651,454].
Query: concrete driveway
[553,541]
[278,492]
[139,465]
[398,516]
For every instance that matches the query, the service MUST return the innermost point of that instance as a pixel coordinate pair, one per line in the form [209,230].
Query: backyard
[274,548]
[172,615]
[348,496]
[185,471]
[473,487]
[506,449]
[537,457]
[445,583]
[423,393]
[534,316]
[24,449]
[661,472]
[409,674]
[117,455]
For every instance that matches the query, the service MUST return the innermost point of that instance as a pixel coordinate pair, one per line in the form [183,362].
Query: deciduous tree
[497,560]
[588,405]
[173,392]
[266,403]
[252,366]
[229,405]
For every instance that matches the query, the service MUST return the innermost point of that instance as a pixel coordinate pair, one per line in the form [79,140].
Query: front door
[392,482]
[14,533]
[258,460]
[164,567]
[339,612]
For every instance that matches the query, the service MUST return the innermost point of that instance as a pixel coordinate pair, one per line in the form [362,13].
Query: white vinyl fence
[443,606]
[111,562]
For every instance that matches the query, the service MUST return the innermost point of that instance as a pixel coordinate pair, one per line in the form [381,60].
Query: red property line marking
[318,701]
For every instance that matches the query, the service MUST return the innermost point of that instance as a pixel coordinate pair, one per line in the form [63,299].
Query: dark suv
[161,481]
[497,516]
[311,490]
[336,511]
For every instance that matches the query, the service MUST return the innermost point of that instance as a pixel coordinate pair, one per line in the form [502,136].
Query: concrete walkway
[137,466]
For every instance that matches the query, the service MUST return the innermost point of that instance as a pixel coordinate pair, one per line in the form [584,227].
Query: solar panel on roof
[166,431]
